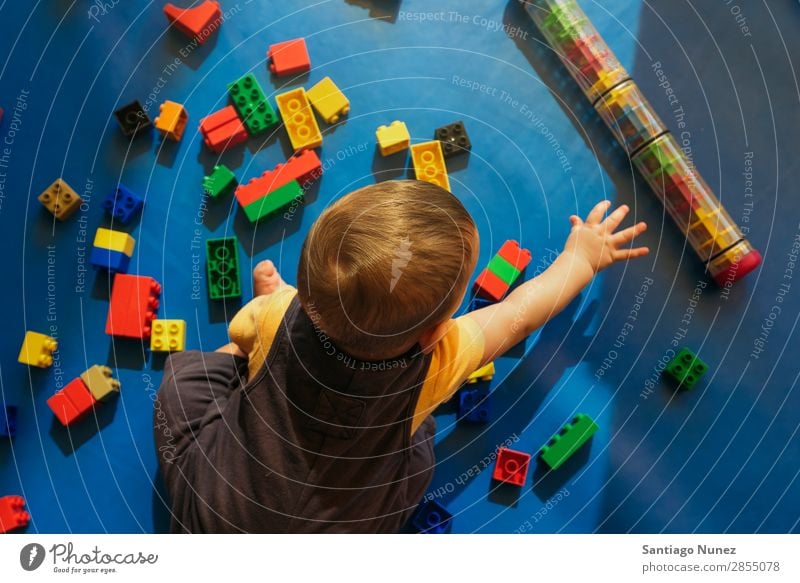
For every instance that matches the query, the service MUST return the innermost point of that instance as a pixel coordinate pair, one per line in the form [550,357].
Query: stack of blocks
[567,441]
[12,514]
[171,120]
[168,336]
[123,204]
[502,272]
[112,250]
[251,104]
[429,165]
[60,199]
[132,308]
[37,349]
[220,182]
[222,261]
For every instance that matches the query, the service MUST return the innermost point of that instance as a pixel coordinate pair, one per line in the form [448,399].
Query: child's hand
[596,242]
[266,278]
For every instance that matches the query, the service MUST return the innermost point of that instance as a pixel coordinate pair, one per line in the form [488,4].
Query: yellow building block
[100,383]
[485,373]
[171,120]
[328,100]
[60,199]
[114,240]
[429,165]
[299,119]
[37,349]
[393,138]
[168,336]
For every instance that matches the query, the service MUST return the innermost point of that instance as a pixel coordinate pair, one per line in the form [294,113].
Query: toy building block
[100,382]
[251,104]
[502,271]
[37,349]
[328,100]
[275,201]
[686,369]
[473,405]
[220,182]
[454,139]
[431,518]
[222,264]
[12,514]
[478,303]
[289,57]
[8,421]
[132,119]
[429,163]
[134,301]
[197,23]
[567,441]
[298,119]
[223,129]
[168,336]
[305,167]
[485,373]
[393,138]
[511,466]
[60,199]
[123,204]
[72,403]
[114,240]
[109,260]
[171,120]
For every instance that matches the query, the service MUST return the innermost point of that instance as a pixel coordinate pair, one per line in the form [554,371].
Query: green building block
[503,269]
[274,202]
[251,104]
[222,260]
[220,182]
[567,441]
[686,369]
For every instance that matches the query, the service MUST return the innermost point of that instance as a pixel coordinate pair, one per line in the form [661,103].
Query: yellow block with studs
[299,119]
[393,138]
[114,240]
[100,382]
[37,349]
[168,336]
[171,120]
[429,164]
[328,100]
[60,199]
[485,373]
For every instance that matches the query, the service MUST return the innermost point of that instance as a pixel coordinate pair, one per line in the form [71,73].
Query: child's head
[387,264]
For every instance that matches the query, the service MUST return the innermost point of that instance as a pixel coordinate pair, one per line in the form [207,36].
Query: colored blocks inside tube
[629,116]
[252,105]
[220,182]
[299,119]
[734,264]
[123,204]
[686,369]
[511,467]
[100,382]
[133,304]
[171,120]
[431,518]
[60,199]
[328,100]
[132,119]
[168,336]
[275,201]
[484,373]
[197,23]
[72,403]
[222,264]
[12,514]
[8,421]
[429,165]
[474,405]
[37,350]
[109,260]
[393,138]
[224,129]
[289,57]
[454,139]
[567,441]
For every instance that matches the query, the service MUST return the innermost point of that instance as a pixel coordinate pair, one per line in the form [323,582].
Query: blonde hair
[385,263]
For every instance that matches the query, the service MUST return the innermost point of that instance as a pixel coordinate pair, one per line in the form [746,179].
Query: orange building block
[197,23]
[171,120]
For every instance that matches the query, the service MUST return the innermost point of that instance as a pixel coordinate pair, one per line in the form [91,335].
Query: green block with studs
[686,369]
[275,201]
[503,269]
[251,104]
[568,440]
[222,262]
[220,182]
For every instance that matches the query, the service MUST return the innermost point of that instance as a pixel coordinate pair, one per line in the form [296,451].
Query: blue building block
[477,303]
[431,518]
[123,204]
[473,404]
[8,421]
[110,260]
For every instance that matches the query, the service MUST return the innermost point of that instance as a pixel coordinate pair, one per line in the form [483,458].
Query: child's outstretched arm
[592,246]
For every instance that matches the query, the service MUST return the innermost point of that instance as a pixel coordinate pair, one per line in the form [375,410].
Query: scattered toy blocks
[132,119]
[222,264]
[60,199]
[393,138]
[134,301]
[568,440]
[72,403]
[478,303]
[37,349]
[251,104]
[328,100]
[171,120]
[123,204]
[8,421]
[299,119]
[289,57]
[12,514]
[275,201]
[686,369]
[223,129]
[220,182]
[432,518]
[429,163]
[502,271]
[485,373]
[511,466]
[454,139]
[197,23]
[473,405]
[168,336]
[100,382]
[304,167]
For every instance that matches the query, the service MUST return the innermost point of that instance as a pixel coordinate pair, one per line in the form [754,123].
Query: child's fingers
[625,254]
[614,219]
[597,213]
[264,268]
[629,234]
[575,221]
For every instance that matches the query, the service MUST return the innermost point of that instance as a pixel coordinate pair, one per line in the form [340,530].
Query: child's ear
[431,337]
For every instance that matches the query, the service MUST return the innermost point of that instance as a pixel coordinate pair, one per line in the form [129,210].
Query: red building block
[72,403]
[197,23]
[222,129]
[516,256]
[489,286]
[289,57]
[305,167]
[511,466]
[12,513]
[63,409]
[133,305]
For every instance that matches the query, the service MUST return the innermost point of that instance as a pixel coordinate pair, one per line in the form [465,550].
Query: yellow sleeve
[457,355]
[254,327]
